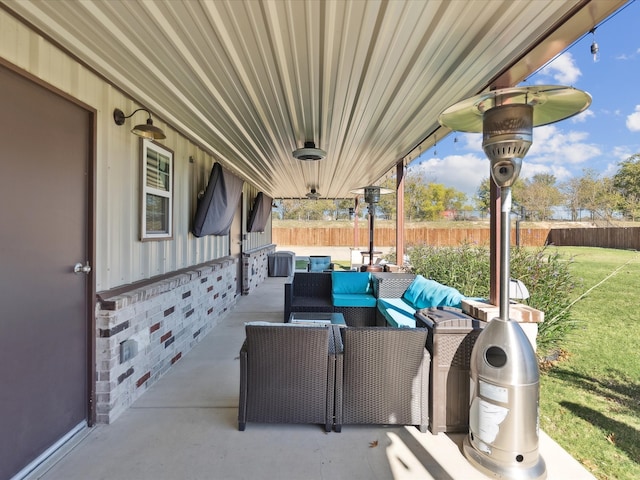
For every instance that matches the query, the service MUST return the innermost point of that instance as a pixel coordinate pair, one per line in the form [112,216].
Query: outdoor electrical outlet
[128,350]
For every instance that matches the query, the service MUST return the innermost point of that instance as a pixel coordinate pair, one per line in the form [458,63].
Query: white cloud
[530,169]
[556,151]
[473,141]
[633,120]
[554,146]
[563,69]
[611,170]
[583,116]
[622,152]
[462,172]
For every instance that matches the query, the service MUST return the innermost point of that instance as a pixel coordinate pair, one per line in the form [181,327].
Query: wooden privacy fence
[386,237]
[606,237]
[627,238]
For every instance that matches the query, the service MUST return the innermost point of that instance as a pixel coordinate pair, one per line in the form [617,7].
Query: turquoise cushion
[397,304]
[319,264]
[423,293]
[353,300]
[399,320]
[397,312]
[350,282]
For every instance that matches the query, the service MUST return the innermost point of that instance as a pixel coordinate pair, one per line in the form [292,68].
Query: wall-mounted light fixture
[146,130]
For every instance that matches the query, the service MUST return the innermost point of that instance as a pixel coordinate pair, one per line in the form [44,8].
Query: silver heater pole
[505,242]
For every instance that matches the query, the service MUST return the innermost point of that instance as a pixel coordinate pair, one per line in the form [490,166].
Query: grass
[590,401]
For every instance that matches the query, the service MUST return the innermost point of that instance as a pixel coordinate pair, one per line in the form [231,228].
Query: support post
[400,214]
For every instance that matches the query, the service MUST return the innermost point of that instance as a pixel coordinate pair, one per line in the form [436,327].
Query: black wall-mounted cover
[260,213]
[217,207]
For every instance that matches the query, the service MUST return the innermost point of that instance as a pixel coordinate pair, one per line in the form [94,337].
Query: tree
[583,193]
[292,209]
[387,206]
[571,191]
[318,209]
[483,196]
[627,182]
[341,208]
[610,199]
[539,194]
[423,201]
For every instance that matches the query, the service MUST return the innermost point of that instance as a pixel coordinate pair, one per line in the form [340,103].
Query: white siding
[121,258]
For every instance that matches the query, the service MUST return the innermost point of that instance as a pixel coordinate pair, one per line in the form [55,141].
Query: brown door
[45,145]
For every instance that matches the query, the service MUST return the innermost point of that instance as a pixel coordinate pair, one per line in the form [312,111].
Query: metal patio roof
[365,80]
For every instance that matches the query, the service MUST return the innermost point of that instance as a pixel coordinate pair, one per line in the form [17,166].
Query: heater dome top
[363,190]
[551,103]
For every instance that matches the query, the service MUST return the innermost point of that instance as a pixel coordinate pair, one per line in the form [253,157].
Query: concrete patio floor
[185,428]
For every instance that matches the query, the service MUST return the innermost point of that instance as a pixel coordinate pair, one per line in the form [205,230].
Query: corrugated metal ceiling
[252,80]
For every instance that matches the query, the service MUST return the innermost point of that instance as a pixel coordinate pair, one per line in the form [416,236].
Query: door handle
[79,268]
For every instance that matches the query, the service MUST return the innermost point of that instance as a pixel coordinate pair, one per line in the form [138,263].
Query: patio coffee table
[317,317]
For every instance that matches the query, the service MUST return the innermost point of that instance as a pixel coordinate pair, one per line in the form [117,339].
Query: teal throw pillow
[423,293]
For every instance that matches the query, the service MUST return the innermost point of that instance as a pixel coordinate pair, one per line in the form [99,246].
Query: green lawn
[590,402]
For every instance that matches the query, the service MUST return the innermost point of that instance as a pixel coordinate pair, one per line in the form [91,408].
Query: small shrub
[545,274]
[465,267]
[550,286]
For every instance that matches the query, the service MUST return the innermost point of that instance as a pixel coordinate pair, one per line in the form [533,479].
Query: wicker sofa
[349,293]
[399,296]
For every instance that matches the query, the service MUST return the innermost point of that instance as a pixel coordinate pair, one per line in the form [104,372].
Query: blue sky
[606,133]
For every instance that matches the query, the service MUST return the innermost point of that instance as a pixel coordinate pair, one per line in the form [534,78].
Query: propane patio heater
[503,415]
[371,197]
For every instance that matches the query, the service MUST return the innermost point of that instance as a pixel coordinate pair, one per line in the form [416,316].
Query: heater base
[499,470]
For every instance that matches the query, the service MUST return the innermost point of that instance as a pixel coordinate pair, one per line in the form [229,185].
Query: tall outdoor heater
[503,415]
[371,197]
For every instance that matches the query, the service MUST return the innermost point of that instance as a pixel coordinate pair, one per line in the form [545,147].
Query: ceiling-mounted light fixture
[309,152]
[145,130]
[313,194]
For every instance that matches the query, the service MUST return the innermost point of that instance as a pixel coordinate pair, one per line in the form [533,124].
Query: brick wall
[142,332]
[255,267]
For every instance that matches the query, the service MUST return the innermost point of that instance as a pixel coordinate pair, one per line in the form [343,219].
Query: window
[157,191]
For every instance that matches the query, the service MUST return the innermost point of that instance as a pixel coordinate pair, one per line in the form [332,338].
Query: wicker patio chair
[319,263]
[382,377]
[307,292]
[287,375]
